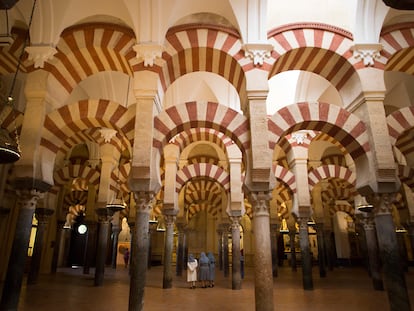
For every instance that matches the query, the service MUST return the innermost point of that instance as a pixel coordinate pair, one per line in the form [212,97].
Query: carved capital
[143,201]
[303,223]
[43,214]
[148,52]
[258,52]
[383,203]
[27,199]
[107,134]
[300,137]
[40,54]
[103,215]
[367,53]
[235,222]
[260,203]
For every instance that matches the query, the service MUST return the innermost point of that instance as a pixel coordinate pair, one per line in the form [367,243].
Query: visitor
[126,257]
[212,268]
[192,271]
[204,270]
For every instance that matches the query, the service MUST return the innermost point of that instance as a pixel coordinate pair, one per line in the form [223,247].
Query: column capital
[303,222]
[43,214]
[235,222]
[27,199]
[149,52]
[103,215]
[39,54]
[257,52]
[367,52]
[143,201]
[382,203]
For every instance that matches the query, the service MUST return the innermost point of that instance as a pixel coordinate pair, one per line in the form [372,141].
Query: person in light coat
[192,265]
[212,268]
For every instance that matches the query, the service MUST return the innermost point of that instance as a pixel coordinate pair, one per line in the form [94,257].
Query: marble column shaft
[26,204]
[139,251]
[292,235]
[263,278]
[374,264]
[274,232]
[115,234]
[321,250]
[56,246]
[226,264]
[236,281]
[90,249]
[394,278]
[104,222]
[220,248]
[305,251]
[168,250]
[180,251]
[42,215]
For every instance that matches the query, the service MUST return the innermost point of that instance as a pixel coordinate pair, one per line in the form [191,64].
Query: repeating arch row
[349,130]
[194,115]
[69,172]
[88,49]
[202,170]
[330,171]
[84,115]
[398,43]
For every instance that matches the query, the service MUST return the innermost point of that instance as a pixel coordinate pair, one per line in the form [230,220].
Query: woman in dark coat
[204,270]
[212,268]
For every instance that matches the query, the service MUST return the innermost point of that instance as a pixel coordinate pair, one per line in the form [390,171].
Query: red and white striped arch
[338,123]
[286,176]
[87,49]
[70,172]
[398,47]
[330,171]
[346,208]
[192,48]
[406,175]
[399,122]
[9,54]
[11,119]
[183,117]
[192,135]
[68,121]
[202,170]
[318,48]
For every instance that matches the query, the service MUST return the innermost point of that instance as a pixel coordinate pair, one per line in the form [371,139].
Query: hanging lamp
[9,143]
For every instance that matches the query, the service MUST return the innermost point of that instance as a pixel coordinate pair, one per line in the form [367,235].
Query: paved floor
[344,289]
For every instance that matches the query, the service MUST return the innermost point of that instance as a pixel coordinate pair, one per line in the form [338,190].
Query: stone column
[274,230]
[403,249]
[263,279]
[180,249]
[152,230]
[90,249]
[56,246]
[104,220]
[394,278]
[220,246]
[42,215]
[226,267]
[292,235]
[115,233]
[236,281]
[139,251]
[372,251]
[168,247]
[26,203]
[321,249]
[330,251]
[305,251]
[411,236]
